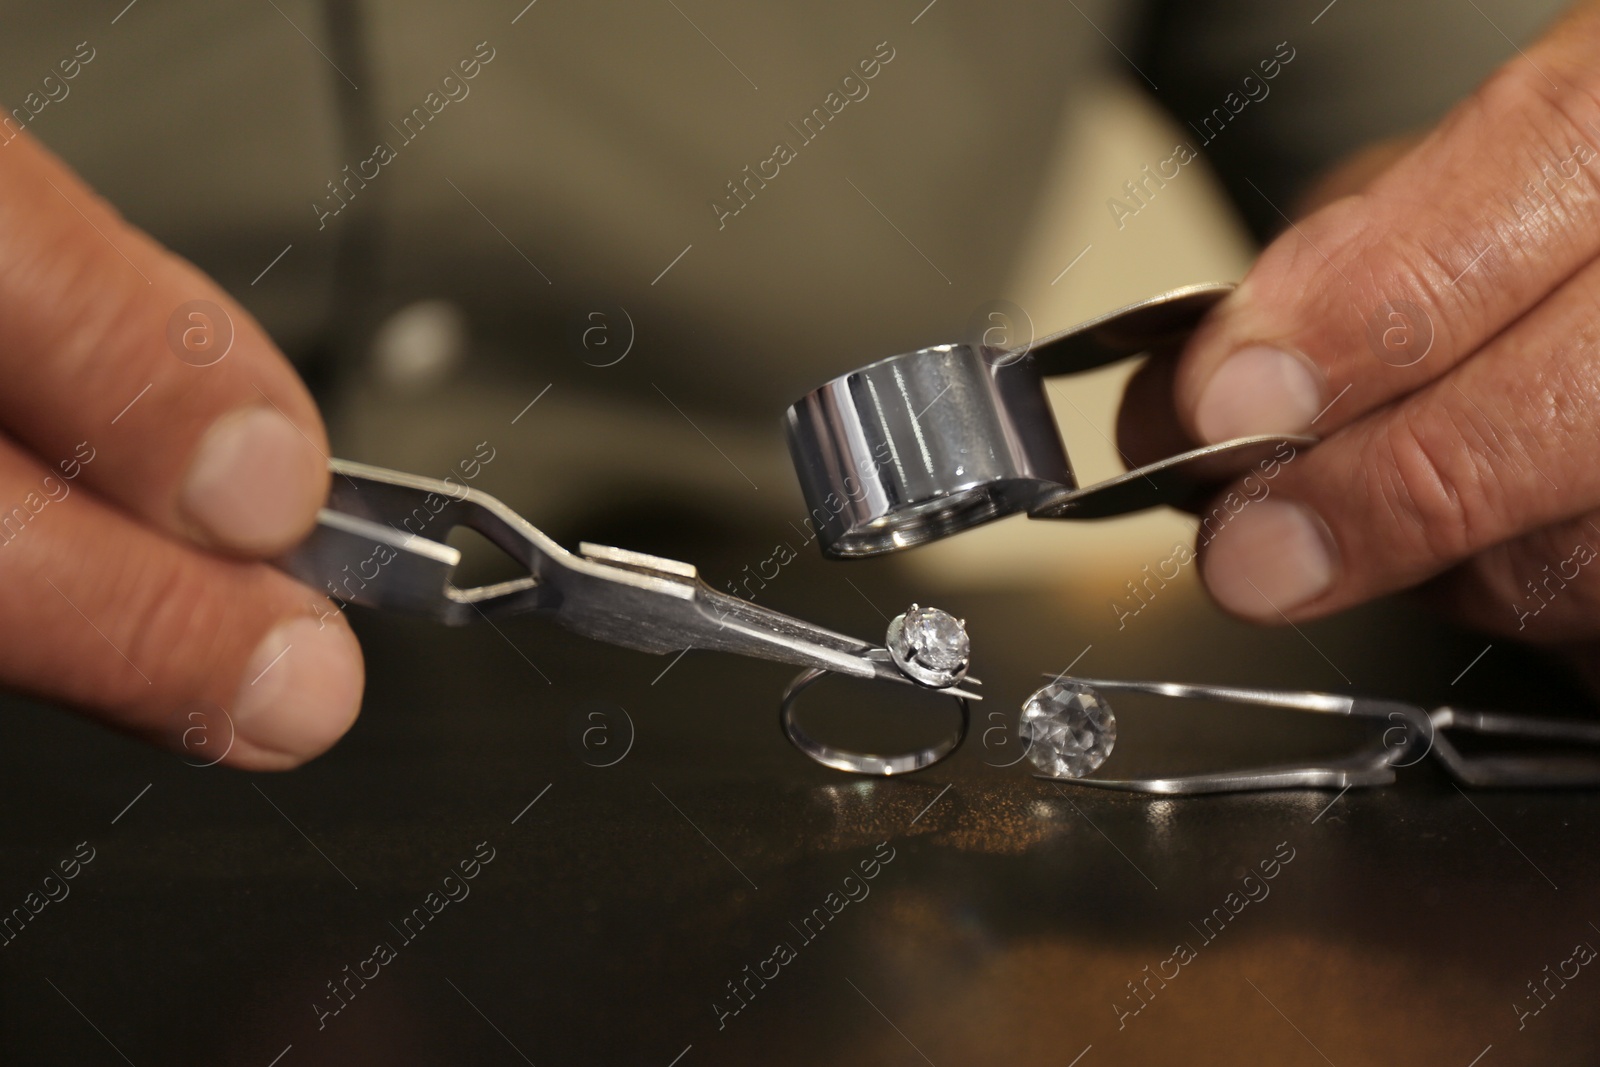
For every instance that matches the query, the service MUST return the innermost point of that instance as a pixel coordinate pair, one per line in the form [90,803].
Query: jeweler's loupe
[929,443]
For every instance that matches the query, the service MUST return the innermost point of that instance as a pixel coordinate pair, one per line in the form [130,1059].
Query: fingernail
[1272,558]
[255,484]
[300,692]
[1259,390]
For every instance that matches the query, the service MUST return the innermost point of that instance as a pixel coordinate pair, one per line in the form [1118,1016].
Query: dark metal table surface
[711,897]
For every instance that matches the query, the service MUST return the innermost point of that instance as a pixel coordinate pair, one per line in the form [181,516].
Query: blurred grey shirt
[774,193]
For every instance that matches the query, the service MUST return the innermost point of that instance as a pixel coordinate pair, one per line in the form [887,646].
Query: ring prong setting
[929,646]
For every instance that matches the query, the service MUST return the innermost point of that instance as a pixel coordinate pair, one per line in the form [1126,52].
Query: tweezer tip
[959,690]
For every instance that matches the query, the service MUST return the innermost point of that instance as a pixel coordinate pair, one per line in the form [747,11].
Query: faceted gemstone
[1068,729]
[936,638]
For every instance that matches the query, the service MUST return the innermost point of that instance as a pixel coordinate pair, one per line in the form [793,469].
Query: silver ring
[930,649]
[841,759]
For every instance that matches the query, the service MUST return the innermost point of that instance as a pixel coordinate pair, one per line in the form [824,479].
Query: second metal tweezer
[1409,734]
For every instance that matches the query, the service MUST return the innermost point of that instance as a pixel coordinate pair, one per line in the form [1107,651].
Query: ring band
[864,762]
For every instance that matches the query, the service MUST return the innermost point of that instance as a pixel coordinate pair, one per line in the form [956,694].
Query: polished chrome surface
[1161,321]
[1516,770]
[922,445]
[1174,481]
[929,443]
[1404,734]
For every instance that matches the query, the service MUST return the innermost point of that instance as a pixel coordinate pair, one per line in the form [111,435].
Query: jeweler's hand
[1440,330]
[153,445]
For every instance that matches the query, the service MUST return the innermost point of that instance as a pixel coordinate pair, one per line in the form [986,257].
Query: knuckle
[1412,269]
[1433,479]
[1418,273]
[181,626]
[1570,105]
[1557,104]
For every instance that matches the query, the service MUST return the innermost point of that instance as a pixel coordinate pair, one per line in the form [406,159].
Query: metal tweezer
[1408,735]
[380,542]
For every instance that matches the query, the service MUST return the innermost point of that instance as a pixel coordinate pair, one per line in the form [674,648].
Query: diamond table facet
[937,638]
[1068,729]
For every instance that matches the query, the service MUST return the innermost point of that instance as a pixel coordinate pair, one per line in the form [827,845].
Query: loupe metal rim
[934,517]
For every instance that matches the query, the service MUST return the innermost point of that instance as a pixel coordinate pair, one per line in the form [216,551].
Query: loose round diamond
[1068,729]
[937,638]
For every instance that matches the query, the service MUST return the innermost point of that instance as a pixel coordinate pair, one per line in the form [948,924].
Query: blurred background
[577,172]
[444,315]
